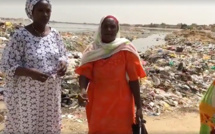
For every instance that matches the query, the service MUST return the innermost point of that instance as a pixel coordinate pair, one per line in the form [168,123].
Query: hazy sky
[128,11]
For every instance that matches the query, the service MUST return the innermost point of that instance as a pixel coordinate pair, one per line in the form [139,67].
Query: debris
[178,72]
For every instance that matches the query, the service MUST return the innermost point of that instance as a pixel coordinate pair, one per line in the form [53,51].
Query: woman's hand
[82,98]
[139,116]
[37,75]
[140,121]
[135,88]
[62,67]
[31,72]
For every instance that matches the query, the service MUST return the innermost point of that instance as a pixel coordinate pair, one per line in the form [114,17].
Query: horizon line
[54,21]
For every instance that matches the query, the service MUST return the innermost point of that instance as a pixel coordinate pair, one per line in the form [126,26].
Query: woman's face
[42,12]
[109,29]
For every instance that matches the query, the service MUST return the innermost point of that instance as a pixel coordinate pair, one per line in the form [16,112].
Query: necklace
[39,33]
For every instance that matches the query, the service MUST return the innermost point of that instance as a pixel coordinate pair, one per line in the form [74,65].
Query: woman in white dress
[33,62]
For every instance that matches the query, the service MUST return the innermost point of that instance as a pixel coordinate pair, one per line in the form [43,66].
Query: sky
[127,11]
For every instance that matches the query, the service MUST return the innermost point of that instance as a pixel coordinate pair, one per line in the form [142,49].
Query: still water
[142,44]
[65,27]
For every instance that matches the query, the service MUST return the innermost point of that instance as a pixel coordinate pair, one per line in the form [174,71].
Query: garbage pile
[77,41]
[179,72]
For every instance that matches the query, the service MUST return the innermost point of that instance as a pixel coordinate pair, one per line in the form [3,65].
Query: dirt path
[182,121]
[174,123]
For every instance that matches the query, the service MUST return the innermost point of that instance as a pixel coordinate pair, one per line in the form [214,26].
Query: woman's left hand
[139,116]
[62,67]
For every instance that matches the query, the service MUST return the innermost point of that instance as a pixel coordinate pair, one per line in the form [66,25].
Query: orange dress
[111,105]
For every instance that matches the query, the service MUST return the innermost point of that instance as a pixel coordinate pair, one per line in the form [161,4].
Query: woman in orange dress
[109,78]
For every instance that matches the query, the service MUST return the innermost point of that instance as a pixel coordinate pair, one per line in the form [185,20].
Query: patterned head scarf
[29,6]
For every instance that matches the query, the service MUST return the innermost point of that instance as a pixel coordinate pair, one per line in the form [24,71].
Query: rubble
[178,72]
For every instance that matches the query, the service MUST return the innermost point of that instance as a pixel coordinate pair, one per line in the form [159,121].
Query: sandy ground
[178,122]
[181,121]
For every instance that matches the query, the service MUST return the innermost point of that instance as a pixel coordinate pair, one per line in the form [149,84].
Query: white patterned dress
[33,107]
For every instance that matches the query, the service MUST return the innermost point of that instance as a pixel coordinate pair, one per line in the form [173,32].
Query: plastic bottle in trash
[171,63]
[213,67]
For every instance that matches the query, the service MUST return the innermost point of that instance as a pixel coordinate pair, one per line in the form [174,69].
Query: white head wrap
[29,6]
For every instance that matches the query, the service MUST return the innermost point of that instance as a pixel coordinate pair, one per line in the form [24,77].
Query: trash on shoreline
[178,72]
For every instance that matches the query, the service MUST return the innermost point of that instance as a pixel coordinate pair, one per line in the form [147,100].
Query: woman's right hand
[82,98]
[37,75]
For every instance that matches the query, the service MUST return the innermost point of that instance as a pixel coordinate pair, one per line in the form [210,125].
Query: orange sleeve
[134,68]
[86,70]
